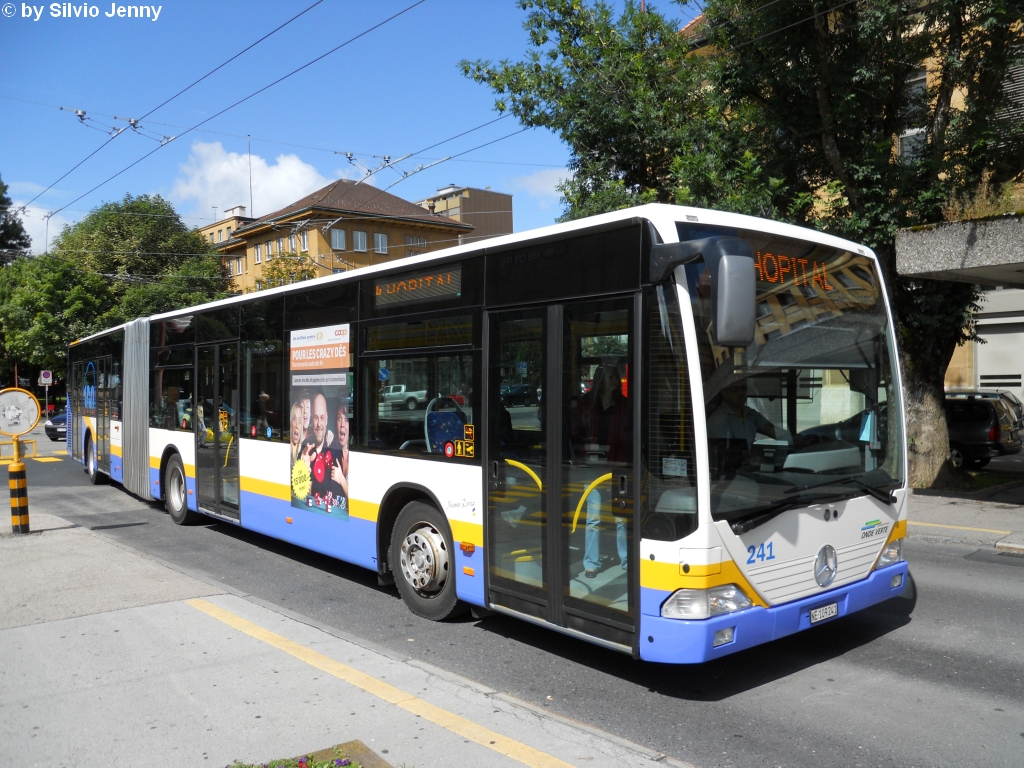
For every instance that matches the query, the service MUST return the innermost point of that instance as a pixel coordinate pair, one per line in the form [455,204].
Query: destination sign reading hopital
[419,286]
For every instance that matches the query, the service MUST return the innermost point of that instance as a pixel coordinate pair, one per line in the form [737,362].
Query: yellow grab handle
[527,470]
[227,453]
[592,486]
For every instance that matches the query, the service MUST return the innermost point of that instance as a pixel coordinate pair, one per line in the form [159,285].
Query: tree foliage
[789,111]
[123,260]
[288,268]
[14,240]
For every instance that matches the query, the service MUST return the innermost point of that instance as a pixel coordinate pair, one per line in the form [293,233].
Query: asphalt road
[931,681]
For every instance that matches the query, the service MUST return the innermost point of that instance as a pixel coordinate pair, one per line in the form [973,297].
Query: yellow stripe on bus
[667,578]
[115,450]
[265,488]
[468,533]
[364,510]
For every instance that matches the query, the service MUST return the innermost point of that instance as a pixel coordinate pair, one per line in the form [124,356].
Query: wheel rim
[411,405]
[90,459]
[424,559]
[176,488]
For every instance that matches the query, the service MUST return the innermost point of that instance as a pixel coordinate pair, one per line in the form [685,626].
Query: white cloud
[542,185]
[34,219]
[213,177]
[25,188]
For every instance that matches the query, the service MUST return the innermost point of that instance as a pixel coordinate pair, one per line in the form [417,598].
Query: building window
[220,235]
[231,268]
[338,239]
[380,242]
[238,265]
[259,285]
[258,253]
[913,144]
[358,241]
[337,271]
[414,246]
[291,243]
[280,246]
[211,237]
[270,249]
[228,231]
[305,240]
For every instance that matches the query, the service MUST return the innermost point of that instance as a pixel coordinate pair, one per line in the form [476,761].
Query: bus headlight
[891,553]
[704,603]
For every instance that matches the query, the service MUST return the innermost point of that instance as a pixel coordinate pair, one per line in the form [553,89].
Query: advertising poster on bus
[320,365]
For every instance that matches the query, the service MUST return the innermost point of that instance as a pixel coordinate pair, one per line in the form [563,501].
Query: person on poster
[296,433]
[306,401]
[316,453]
[339,448]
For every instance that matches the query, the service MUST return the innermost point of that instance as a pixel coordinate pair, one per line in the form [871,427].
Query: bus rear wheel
[176,492]
[91,463]
[423,561]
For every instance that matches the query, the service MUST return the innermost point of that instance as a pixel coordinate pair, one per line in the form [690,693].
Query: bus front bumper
[674,641]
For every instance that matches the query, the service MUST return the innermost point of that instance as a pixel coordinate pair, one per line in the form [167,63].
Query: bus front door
[215,420]
[560,466]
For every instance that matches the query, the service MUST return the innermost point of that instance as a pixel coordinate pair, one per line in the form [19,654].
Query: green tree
[123,260]
[46,303]
[152,260]
[286,269]
[791,112]
[14,240]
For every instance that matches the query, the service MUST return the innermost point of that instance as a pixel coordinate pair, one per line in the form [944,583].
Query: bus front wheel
[176,492]
[423,561]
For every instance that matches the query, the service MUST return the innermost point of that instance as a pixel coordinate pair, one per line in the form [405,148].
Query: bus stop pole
[19,492]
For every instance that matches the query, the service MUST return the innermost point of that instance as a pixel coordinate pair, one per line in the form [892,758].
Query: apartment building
[342,226]
[489,212]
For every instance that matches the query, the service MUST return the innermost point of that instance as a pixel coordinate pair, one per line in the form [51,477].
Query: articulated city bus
[673,432]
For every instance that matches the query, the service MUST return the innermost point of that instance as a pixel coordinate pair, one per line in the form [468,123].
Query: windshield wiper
[884,495]
[764,514]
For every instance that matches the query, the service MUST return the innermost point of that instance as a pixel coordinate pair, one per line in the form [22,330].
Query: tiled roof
[347,196]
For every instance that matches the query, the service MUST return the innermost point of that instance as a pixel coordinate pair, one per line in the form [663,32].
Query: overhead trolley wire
[246,98]
[166,102]
[307,146]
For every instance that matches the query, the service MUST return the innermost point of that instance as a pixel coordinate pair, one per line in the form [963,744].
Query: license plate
[825,612]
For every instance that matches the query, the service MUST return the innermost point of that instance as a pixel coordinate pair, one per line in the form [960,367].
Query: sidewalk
[994,516]
[112,658]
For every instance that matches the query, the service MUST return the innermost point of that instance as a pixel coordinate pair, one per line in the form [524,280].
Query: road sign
[383,374]
[46,378]
[19,412]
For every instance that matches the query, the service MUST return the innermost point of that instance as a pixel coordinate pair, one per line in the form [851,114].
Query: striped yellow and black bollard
[19,492]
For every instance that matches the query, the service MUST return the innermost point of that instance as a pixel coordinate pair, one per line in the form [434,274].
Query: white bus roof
[663,216]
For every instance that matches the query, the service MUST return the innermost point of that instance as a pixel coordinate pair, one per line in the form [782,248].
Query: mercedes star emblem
[825,565]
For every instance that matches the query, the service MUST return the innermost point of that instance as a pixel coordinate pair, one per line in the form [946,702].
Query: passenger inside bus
[603,427]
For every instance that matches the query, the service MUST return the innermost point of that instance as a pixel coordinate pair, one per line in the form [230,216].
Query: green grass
[334,758]
[980,479]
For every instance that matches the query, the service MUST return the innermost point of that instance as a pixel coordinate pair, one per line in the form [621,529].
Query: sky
[394,91]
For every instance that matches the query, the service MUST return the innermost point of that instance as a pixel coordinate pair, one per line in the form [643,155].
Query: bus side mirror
[733,299]
[730,263]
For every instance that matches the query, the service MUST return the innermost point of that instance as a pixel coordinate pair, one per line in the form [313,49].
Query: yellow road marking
[959,527]
[45,458]
[449,721]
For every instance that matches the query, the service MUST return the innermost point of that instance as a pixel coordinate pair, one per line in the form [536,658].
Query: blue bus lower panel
[347,538]
[469,575]
[674,641]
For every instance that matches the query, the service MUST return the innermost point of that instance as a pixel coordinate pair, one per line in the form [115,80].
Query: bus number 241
[760,552]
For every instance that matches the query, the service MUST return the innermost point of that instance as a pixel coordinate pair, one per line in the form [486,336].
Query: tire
[958,457]
[176,492]
[423,561]
[91,465]
[410,404]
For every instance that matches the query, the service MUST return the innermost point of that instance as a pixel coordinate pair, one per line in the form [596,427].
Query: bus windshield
[802,415]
